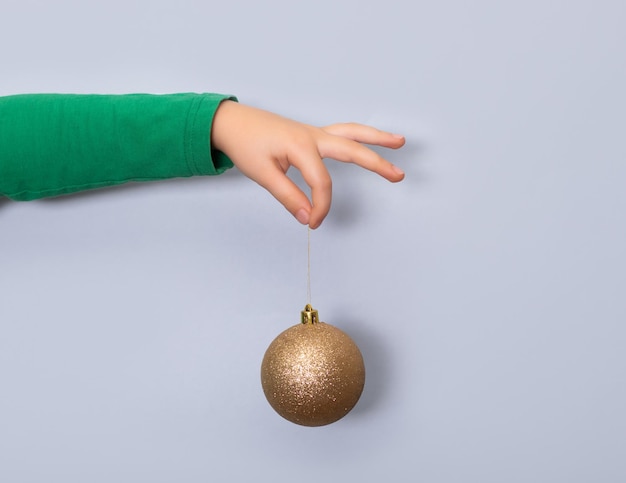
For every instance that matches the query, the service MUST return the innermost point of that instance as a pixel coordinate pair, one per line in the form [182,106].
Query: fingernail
[302,216]
[398,136]
[397,170]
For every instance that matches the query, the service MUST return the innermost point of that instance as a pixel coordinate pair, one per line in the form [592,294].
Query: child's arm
[55,144]
[263,146]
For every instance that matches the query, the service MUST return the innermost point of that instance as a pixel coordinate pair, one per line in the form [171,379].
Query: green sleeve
[53,144]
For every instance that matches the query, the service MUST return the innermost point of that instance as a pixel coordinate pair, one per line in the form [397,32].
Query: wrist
[223,124]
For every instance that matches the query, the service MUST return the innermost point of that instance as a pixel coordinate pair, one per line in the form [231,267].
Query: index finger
[316,176]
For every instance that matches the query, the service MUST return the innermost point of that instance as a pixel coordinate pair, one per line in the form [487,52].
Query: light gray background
[486,291]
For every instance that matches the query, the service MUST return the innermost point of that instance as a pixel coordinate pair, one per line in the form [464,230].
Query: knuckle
[325,183]
[302,142]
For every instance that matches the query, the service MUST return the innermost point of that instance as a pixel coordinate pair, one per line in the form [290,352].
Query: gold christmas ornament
[312,373]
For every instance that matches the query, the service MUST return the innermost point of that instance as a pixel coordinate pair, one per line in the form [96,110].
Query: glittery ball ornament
[313,373]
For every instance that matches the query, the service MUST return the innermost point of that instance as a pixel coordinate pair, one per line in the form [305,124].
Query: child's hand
[264,145]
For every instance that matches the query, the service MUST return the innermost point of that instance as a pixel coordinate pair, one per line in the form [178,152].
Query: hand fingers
[366,134]
[292,198]
[350,151]
[308,160]
[317,177]
[287,193]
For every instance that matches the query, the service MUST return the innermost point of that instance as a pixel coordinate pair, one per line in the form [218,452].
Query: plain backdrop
[486,291]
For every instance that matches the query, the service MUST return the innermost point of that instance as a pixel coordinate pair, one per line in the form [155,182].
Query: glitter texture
[313,374]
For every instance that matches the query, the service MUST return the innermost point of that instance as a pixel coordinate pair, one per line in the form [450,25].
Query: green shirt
[53,144]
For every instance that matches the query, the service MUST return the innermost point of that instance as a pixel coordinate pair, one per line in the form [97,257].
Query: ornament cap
[309,315]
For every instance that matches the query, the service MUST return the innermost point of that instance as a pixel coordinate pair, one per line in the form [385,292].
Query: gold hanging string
[308,272]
